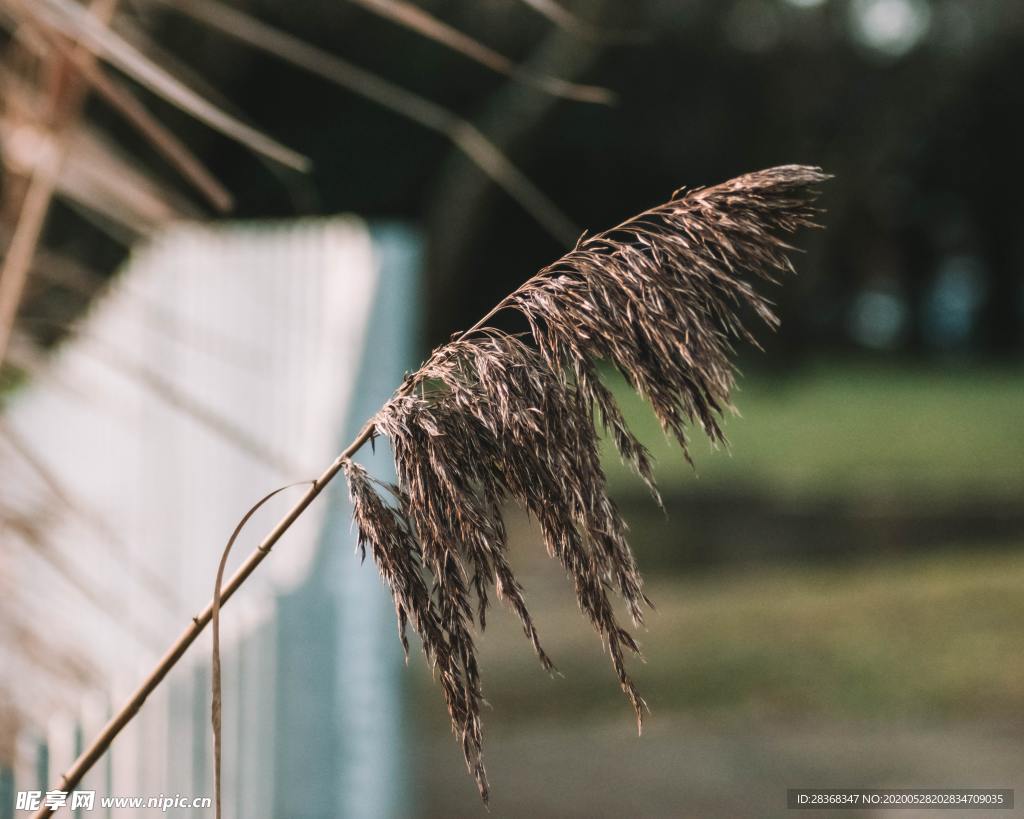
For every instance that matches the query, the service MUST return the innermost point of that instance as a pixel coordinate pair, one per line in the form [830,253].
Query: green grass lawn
[856,429]
[923,638]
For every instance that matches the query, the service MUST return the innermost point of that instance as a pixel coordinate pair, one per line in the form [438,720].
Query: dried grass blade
[216,716]
[413,17]
[463,134]
[69,18]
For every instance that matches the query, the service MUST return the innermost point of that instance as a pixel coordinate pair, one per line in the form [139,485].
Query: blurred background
[838,595]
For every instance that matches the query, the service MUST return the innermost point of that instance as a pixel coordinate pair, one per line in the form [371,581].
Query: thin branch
[69,18]
[568,21]
[557,14]
[465,136]
[42,184]
[462,195]
[413,17]
[215,675]
[22,249]
[161,138]
[92,754]
[99,180]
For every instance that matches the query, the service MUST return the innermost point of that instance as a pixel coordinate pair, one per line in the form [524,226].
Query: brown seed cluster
[493,417]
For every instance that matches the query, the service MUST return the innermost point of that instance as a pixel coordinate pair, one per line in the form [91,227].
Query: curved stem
[91,755]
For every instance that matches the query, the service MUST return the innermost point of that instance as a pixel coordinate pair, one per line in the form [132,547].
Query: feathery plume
[493,417]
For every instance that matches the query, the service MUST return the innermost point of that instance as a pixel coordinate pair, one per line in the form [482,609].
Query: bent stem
[91,755]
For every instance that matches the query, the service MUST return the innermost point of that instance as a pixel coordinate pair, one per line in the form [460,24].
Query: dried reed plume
[493,417]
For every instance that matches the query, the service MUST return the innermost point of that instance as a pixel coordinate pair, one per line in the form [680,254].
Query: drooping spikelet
[493,417]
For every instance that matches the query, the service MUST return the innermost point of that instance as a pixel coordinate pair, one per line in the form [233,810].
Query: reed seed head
[493,417]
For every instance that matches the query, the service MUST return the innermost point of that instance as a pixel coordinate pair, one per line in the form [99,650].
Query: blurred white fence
[223,362]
